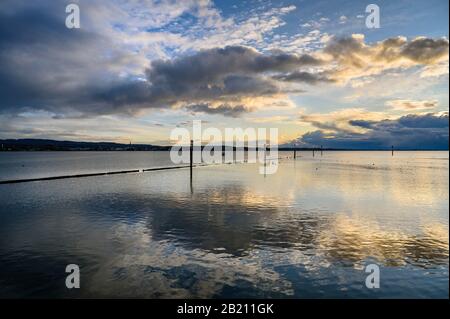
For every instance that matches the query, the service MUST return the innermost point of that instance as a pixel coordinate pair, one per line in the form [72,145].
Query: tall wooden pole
[191,156]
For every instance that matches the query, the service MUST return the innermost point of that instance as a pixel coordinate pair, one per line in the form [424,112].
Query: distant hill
[52,145]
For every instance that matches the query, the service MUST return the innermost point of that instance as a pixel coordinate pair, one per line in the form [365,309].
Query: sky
[135,70]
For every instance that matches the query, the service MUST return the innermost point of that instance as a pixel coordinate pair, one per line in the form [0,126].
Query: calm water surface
[21,165]
[307,231]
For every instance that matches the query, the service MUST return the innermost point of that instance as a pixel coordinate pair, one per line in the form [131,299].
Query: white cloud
[410,105]
[343,19]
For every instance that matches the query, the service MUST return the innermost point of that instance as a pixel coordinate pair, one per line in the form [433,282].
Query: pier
[37,179]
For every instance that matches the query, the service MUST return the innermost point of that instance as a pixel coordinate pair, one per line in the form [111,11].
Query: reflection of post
[321,150]
[265,159]
[313,153]
[392,150]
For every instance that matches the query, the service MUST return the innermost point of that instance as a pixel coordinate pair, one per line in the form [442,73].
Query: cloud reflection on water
[237,234]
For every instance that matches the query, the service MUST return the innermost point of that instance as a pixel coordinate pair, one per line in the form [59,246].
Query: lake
[308,231]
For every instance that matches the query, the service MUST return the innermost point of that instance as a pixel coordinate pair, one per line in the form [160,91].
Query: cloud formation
[221,75]
[408,105]
[45,66]
[222,109]
[305,77]
[427,131]
[106,66]
[133,56]
[355,58]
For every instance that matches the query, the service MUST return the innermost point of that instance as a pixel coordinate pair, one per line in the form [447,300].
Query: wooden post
[321,150]
[392,147]
[295,153]
[191,155]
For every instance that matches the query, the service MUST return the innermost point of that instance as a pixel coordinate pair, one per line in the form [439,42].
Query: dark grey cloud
[424,121]
[362,123]
[228,88]
[223,109]
[211,65]
[221,74]
[323,125]
[80,73]
[429,131]
[304,77]
[425,50]
[346,50]
[45,66]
